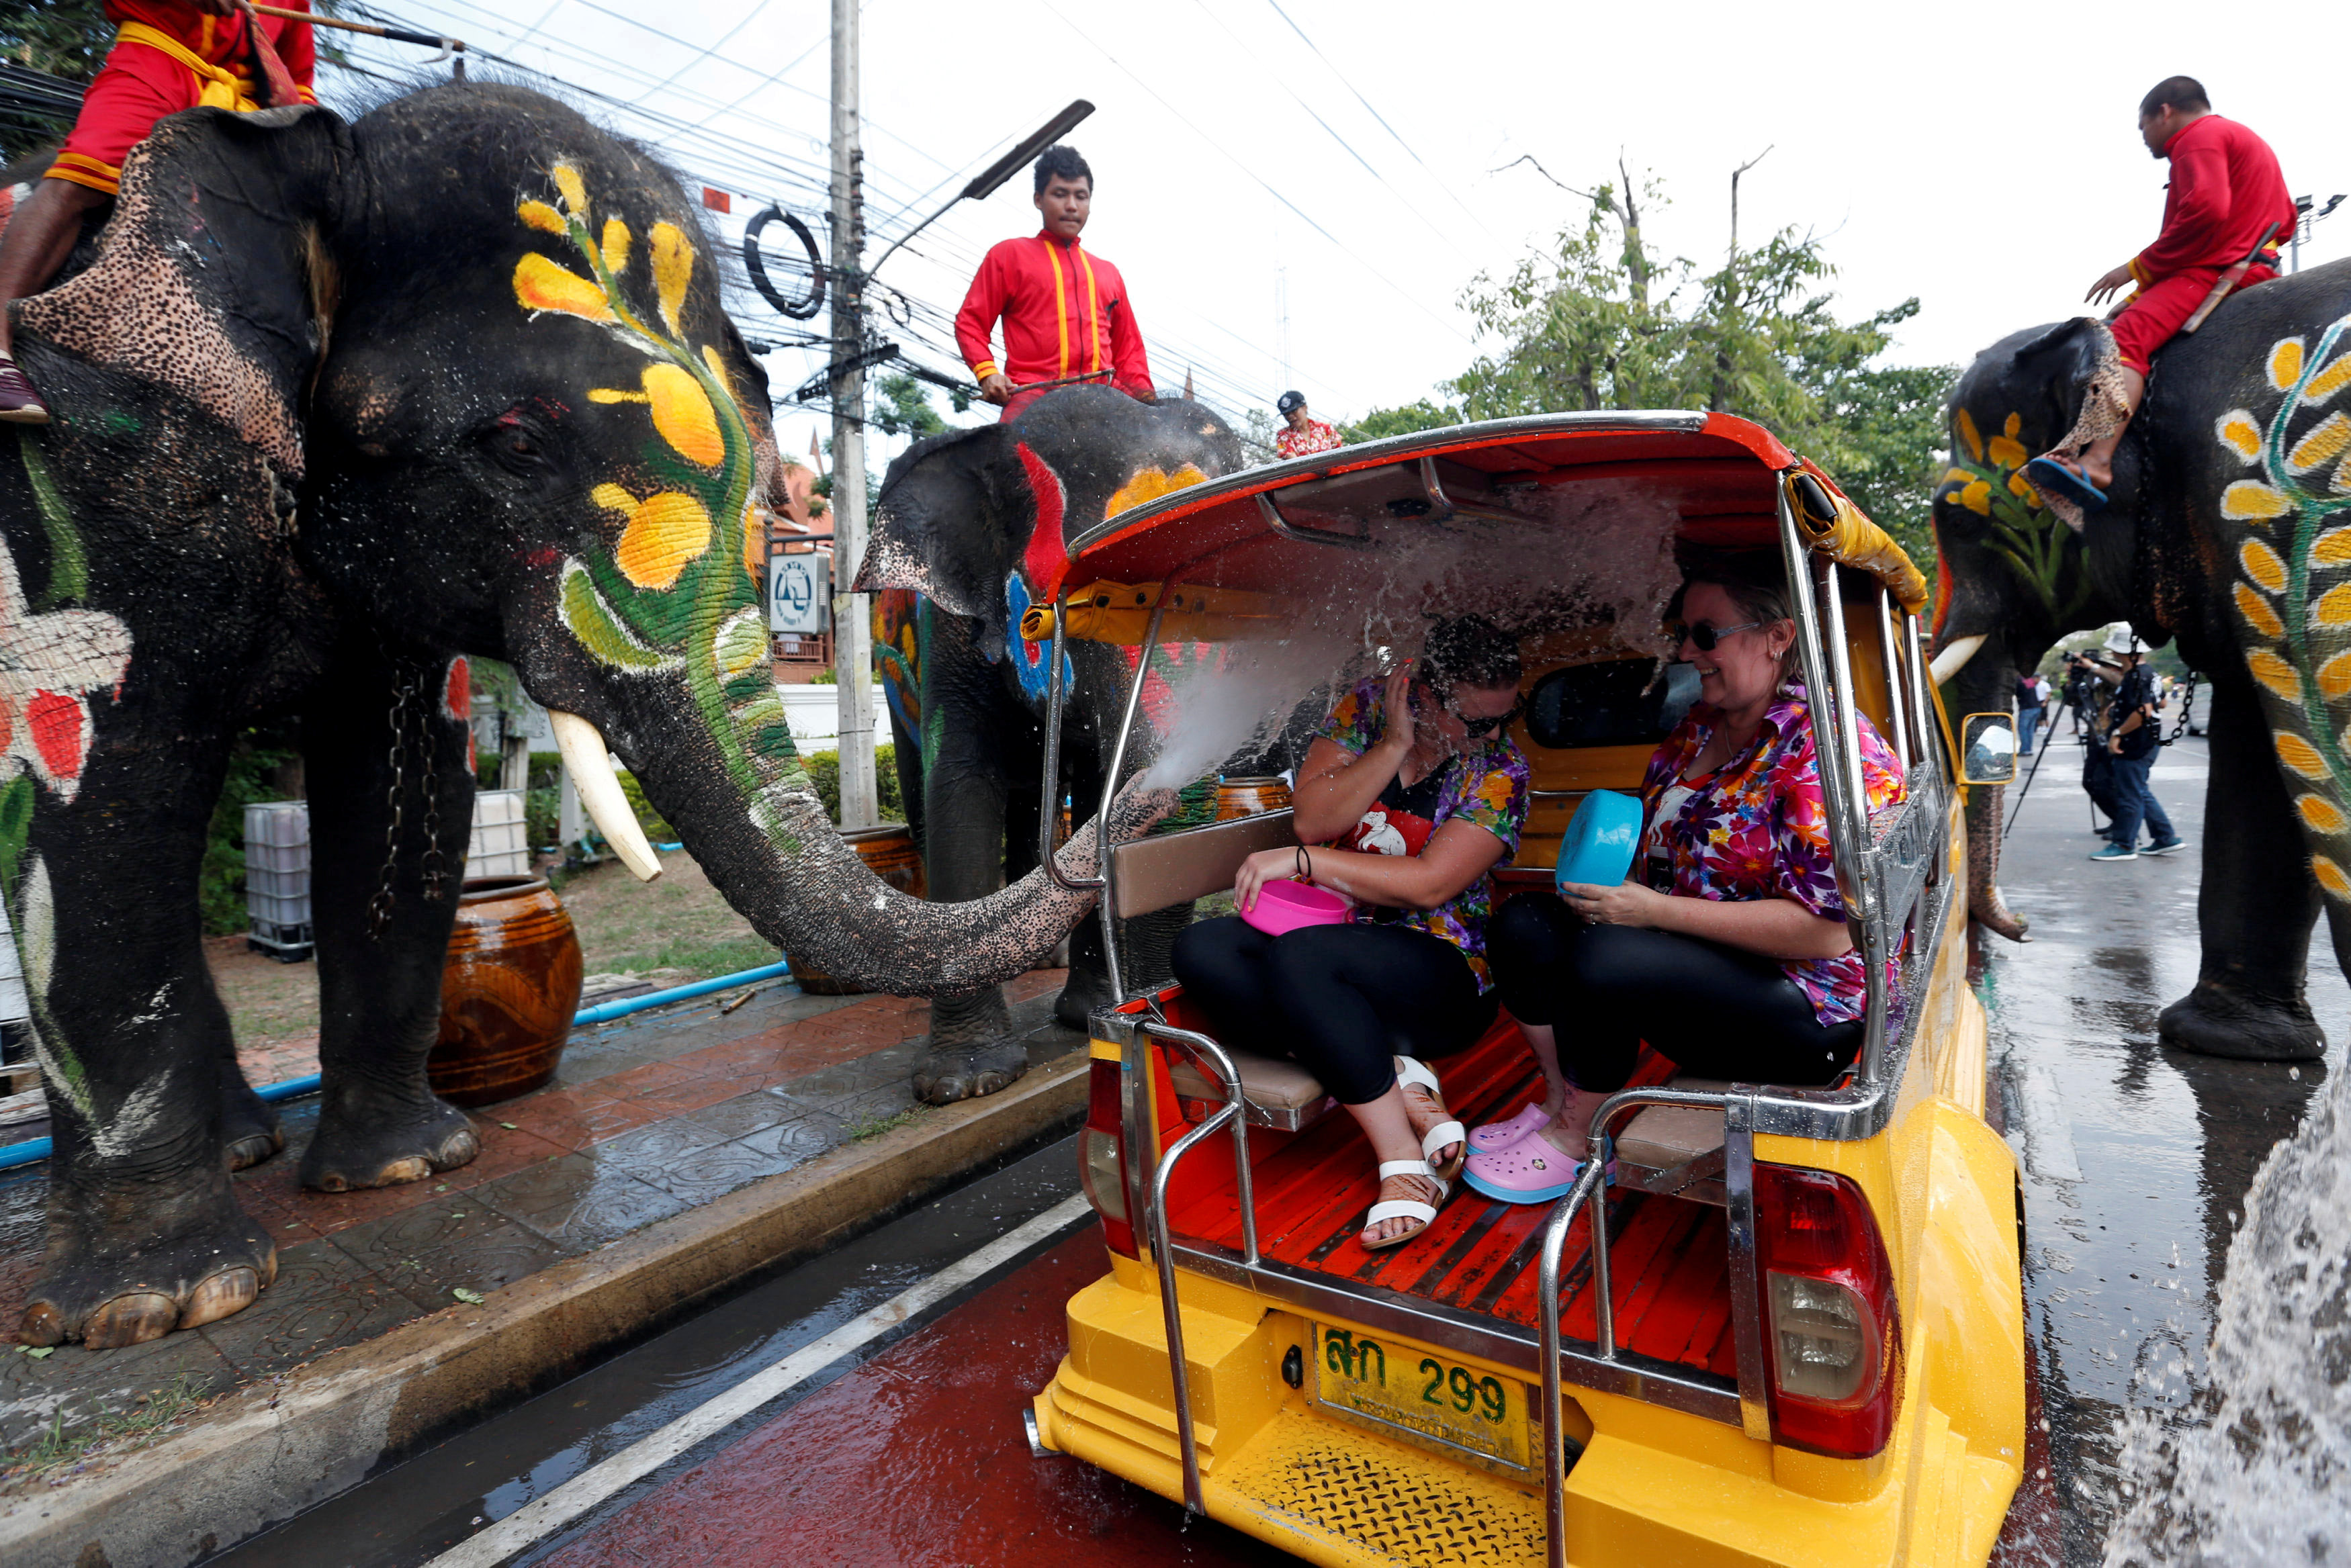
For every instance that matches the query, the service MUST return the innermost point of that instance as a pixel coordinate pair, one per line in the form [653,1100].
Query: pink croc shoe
[1529,1171]
[1501,1134]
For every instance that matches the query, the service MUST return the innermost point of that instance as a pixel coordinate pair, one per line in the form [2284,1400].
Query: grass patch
[57,1447]
[706,960]
[873,1125]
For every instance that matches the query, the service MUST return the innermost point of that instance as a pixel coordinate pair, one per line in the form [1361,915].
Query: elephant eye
[514,444]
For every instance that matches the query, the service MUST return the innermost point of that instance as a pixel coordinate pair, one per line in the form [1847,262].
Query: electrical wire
[1375,113]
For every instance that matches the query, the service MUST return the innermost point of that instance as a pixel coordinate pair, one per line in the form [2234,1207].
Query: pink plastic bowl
[1286,906]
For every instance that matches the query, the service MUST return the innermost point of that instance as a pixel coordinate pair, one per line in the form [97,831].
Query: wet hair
[2175,92]
[1757,586]
[1469,650]
[1059,162]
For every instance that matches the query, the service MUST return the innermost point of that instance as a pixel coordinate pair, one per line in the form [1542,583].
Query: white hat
[2121,641]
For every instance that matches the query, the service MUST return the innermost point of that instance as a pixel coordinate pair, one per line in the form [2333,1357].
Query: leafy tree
[1609,324]
[902,406]
[1420,414]
[65,39]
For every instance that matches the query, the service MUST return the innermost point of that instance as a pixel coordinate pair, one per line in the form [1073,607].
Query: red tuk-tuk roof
[1718,471]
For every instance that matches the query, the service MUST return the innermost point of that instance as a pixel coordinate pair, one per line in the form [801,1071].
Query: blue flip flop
[2045,473]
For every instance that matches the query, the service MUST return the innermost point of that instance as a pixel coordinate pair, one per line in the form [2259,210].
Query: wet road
[855,1438]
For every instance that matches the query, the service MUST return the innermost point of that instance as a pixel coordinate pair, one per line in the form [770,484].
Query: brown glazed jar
[1248,797]
[507,993]
[888,852]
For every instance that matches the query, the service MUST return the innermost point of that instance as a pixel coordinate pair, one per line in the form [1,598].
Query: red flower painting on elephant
[52,663]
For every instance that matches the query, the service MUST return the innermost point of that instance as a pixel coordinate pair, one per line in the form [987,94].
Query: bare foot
[1423,1110]
[1402,1189]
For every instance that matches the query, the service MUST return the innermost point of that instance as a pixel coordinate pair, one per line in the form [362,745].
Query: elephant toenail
[41,1324]
[133,1318]
[413,1168]
[230,1291]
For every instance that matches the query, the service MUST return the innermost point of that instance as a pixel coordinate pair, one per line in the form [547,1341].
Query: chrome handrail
[1048,814]
[1591,1179]
[1108,910]
[1163,1248]
[1898,704]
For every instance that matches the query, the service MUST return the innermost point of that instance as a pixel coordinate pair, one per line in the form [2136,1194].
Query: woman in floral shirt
[1414,792]
[1727,950]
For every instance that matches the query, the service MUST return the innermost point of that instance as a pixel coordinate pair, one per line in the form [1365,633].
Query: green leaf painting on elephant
[667,597]
[1986,477]
[2299,642]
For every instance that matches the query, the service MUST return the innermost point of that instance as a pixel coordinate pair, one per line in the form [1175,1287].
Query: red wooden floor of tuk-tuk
[1669,1257]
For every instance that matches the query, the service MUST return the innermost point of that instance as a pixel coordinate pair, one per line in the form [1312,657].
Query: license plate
[1433,1401]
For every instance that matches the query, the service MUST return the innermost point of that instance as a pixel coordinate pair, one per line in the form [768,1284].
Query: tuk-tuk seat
[1675,1150]
[1279,1094]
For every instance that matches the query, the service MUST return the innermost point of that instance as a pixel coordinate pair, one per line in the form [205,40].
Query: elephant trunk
[1986,809]
[772,850]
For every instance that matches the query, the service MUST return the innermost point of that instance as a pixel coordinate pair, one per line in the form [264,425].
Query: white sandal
[1402,1208]
[1412,1070]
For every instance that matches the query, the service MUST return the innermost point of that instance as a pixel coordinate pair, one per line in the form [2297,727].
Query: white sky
[1983,159]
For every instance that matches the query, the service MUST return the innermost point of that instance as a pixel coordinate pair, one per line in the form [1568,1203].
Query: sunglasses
[1706,634]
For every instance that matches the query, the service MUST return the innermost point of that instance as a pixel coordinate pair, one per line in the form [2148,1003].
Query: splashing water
[1596,553]
[2259,1473]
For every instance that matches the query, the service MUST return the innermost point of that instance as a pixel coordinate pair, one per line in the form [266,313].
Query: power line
[1375,113]
[1253,174]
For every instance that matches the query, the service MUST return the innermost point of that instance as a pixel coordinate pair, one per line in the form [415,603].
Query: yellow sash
[217,87]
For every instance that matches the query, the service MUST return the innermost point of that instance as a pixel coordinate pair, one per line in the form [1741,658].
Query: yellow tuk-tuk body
[1356,1407]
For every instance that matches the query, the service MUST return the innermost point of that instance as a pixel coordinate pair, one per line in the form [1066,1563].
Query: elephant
[968,533]
[338,404]
[2223,531]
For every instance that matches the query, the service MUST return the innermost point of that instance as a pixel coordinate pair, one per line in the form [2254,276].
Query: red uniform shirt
[140,83]
[1065,313]
[2226,188]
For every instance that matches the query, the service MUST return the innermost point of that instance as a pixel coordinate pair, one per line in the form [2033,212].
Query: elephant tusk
[1954,658]
[591,774]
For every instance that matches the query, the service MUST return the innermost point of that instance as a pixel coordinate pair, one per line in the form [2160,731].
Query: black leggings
[1717,1012]
[1341,1001]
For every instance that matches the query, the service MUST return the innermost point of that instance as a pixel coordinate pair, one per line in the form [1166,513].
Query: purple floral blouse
[1487,784]
[1757,828]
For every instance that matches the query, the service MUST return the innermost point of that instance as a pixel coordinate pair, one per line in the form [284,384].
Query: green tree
[1420,414]
[902,406]
[1608,324]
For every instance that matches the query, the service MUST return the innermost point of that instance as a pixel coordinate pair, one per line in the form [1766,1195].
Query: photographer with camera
[2130,739]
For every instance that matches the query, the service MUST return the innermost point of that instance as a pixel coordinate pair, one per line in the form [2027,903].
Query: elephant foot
[250,1132]
[403,1144]
[2214,1021]
[1081,994]
[956,1073]
[109,1297]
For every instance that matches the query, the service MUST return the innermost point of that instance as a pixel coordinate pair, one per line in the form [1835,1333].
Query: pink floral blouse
[1757,828]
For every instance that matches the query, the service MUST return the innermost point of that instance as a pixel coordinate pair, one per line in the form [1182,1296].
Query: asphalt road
[865,1408]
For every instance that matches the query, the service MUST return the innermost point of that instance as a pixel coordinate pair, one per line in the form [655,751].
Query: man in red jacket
[2227,201]
[168,54]
[1065,310]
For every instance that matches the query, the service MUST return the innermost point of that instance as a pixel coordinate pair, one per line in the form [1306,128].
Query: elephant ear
[2077,362]
[941,525]
[213,278]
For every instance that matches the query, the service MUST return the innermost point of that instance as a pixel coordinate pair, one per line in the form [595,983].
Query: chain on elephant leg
[391,806]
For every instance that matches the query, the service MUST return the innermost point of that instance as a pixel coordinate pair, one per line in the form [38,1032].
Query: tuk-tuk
[1768,1325]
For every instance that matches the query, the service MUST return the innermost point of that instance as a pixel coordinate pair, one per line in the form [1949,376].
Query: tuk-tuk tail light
[1832,1334]
[1101,1154]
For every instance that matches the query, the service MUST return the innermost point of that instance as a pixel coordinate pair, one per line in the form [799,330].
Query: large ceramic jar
[888,852]
[1239,797]
[507,993]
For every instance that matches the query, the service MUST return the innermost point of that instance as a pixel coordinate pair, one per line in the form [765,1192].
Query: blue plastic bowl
[1602,839]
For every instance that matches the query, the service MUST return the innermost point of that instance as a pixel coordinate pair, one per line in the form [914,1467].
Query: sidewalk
[650,1116]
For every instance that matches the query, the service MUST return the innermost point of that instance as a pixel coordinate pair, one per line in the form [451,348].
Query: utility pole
[853,632]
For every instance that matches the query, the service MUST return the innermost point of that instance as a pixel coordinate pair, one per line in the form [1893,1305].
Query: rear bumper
[1654,1485]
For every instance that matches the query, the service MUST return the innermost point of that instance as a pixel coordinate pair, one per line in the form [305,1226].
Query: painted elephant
[338,404]
[2225,531]
[976,520]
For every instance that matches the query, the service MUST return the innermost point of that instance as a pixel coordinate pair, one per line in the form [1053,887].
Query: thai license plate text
[1439,1402]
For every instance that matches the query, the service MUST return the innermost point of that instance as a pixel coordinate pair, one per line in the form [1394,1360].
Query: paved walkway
[649,1116]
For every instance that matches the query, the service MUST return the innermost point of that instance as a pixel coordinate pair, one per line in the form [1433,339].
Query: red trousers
[2154,316]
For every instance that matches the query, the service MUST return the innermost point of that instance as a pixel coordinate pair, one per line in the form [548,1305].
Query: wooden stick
[397,34]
